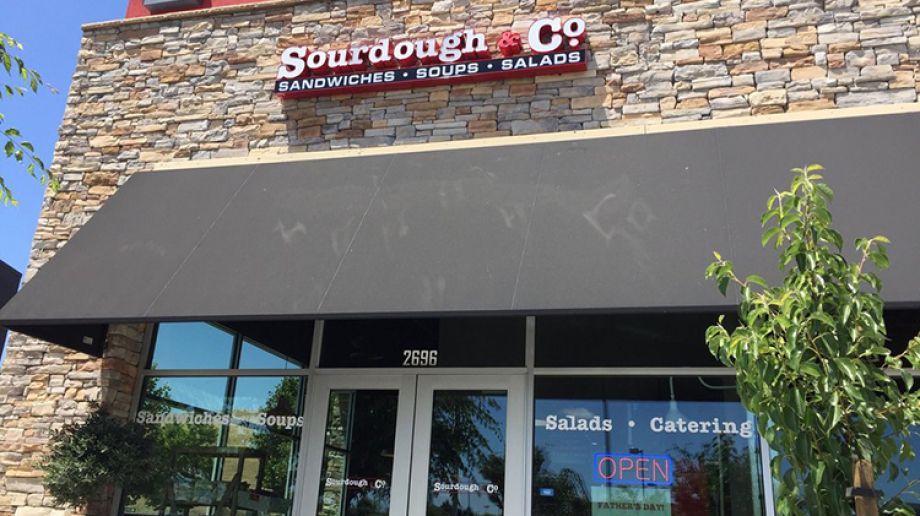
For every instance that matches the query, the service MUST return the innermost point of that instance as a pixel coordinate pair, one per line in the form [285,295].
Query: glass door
[360,451]
[469,447]
[462,437]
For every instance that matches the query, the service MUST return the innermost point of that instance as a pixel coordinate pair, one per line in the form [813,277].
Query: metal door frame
[402,450]
[306,488]
[515,484]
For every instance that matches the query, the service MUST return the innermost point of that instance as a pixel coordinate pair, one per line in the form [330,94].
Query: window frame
[529,372]
[232,375]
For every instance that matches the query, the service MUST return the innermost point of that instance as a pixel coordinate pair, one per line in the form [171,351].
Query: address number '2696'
[420,358]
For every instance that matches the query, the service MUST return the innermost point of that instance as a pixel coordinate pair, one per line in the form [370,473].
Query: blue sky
[50,32]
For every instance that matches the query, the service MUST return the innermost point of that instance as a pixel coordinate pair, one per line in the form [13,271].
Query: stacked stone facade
[196,86]
[44,387]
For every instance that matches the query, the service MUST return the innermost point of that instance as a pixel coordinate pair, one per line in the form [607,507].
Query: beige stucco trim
[626,130]
[184,15]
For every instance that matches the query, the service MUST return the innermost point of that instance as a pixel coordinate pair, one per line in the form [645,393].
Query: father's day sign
[630,501]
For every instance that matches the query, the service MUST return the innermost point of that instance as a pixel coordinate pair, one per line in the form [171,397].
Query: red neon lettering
[626,464]
[633,469]
[642,469]
[601,470]
[663,467]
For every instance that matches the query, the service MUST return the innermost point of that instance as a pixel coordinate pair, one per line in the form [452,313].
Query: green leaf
[836,411]
[825,191]
[809,353]
[757,280]
[769,214]
[824,318]
[908,380]
[810,369]
[847,367]
[880,259]
[769,235]
[723,284]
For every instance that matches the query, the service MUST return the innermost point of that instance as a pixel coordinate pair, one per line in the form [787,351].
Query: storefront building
[389,257]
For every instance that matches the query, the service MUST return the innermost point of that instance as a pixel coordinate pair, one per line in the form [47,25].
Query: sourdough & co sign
[556,47]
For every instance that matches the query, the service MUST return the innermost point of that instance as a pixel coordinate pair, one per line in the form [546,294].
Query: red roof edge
[136,8]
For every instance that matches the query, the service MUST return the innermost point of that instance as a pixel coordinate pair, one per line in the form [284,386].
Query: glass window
[232,345]
[625,446]
[450,342]
[358,453]
[901,326]
[624,340]
[466,463]
[192,345]
[226,444]
[256,356]
[274,344]
[906,485]
[909,494]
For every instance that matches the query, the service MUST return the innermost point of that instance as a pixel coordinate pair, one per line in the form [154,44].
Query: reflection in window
[257,356]
[192,345]
[358,453]
[906,485]
[654,339]
[227,444]
[282,345]
[682,446]
[466,466]
[274,344]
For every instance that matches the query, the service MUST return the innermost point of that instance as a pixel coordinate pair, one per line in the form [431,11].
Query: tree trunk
[103,504]
[864,477]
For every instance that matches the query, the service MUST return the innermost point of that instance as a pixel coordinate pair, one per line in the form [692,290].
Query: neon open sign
[629,469]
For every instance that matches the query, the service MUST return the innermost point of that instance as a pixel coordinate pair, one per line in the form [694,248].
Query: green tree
[19,80]
[278,444]
[462,451]
[570,495]
[88,458]
[811,356]
[714,478]
[168,439]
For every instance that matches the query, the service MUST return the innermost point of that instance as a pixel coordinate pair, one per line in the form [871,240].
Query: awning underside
[617,223]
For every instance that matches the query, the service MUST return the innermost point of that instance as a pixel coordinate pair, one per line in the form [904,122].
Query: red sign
[464,56]
[137,9]
[613,468]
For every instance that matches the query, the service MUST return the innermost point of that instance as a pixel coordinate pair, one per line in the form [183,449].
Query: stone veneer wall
[42,388]
[198,86]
